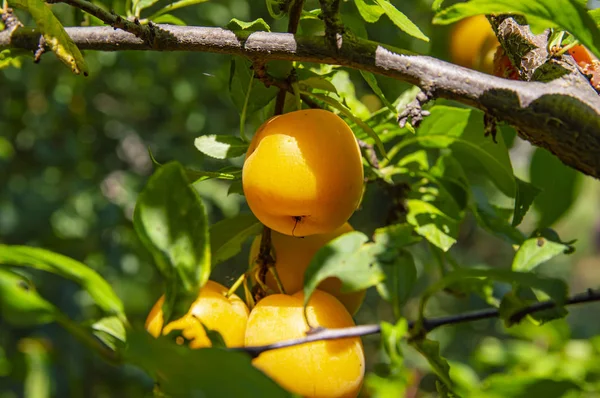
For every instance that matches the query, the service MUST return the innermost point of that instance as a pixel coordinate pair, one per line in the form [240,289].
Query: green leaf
[239,84]
[317,82]
[12,57]
[98,289]
[431,351]
[463,129]
[111,331]
[169,19]
[372,82]
[391,338]
[526,193]
[174,6]
[495,220]
[429,222]
[221,146]
[139,5]
[570,15]
[228,235]
[400,277]
[527,385]
[535,251]
[227,173]
[171,222]
[560,186]
[369,12]
[254,26]
[38,382]
[401,20]
[206,372]
[347,258]
[56,37]
[20,304]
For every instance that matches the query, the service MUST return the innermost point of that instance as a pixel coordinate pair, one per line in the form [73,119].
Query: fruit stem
[273,272]
[236,285]
[567,48]
[250,302]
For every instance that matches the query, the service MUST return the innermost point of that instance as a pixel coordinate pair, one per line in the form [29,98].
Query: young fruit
[292,257]
[226,315]
[303,173]
[473,43]
[332,368]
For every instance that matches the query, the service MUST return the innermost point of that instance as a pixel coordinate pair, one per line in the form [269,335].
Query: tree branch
[562,116]
[428,324]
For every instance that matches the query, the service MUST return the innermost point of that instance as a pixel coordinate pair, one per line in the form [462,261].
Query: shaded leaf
[400,277]
[228,235]
[111,331]
[205,372]
[401,20]
[221,146]
[525,386]
[56,37]
[174,6]
[560,186]
[372,82]
[526,194]
[240,79]
[431,351]
[347,258]
[98,289]
[569,15]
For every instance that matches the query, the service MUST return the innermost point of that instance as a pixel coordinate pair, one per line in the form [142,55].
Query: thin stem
[236,285]
[427,324]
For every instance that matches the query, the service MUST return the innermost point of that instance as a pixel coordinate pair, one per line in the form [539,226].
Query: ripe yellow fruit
[292,258]
[226,315]
[332,368]
[473,44]
[303,173]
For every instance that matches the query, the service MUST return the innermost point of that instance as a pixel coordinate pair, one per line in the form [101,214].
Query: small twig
[295,12]
[427,324]
[264,262]
[10,20]
[370,152]
[414,110]
[37,55]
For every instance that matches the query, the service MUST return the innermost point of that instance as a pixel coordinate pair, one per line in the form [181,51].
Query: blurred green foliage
[74,157]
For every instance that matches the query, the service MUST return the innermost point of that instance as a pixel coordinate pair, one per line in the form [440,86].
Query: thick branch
[428,324]
[562,116]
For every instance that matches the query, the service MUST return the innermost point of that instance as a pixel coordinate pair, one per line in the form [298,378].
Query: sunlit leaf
[401,20]
[535,251]
[432,224]
[221,146]
[253,26]
[169,19]
[56,37]
[99,290]
[369,11]
[239,83]
[20,304]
